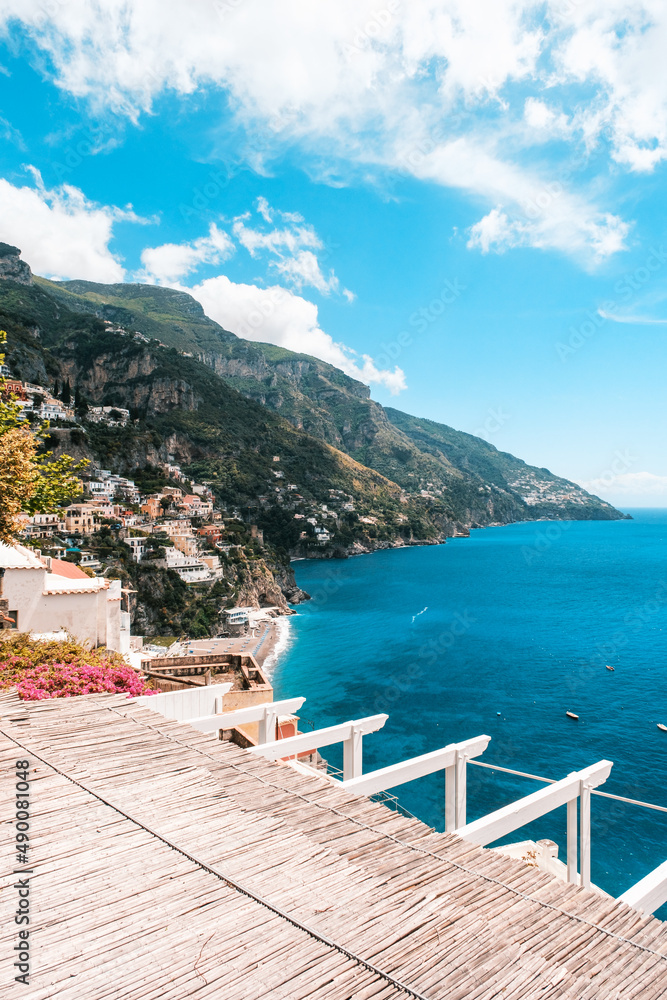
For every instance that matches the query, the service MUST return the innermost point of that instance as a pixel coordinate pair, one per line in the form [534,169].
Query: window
[15,616]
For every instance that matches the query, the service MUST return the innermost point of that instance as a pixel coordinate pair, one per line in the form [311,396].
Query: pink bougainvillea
[64,680]
[42,670]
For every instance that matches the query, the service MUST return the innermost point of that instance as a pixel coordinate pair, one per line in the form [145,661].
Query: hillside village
[178,527]
[199,531]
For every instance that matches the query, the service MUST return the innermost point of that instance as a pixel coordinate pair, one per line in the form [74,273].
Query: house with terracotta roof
[194,504]
[47,595]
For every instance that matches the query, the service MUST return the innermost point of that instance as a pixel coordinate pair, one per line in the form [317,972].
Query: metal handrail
[552,781]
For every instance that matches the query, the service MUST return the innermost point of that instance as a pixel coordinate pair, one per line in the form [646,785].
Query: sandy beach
[266,641]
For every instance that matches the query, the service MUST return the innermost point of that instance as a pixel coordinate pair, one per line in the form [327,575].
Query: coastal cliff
[285,441]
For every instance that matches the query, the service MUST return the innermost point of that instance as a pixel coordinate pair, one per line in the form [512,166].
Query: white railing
[186,705]
[202,709]
[350,734]
[266,715]
[650,893]
[576,786]
[452,759]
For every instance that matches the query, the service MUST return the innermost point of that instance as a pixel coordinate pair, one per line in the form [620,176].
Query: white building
[190,570]
[212,562]
[237,616]
[43,405]
[99,490]
[46,524]
[90,561]
[138,547]
[47,595]
[102,415]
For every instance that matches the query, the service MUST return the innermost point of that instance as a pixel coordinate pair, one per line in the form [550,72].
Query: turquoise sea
[518,620]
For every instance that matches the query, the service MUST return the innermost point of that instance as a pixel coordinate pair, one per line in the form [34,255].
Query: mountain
[225,408]
[476,483]
[182,411]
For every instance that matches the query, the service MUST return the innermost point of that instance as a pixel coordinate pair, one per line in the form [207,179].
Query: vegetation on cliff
[29,480]
[479,484]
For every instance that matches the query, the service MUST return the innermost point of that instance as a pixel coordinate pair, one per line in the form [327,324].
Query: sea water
[501,634]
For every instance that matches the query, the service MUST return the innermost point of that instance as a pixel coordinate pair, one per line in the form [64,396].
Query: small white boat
[609,668]
[571,715]
[664,728]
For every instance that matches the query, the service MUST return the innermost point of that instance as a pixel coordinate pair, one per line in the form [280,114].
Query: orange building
[151,508]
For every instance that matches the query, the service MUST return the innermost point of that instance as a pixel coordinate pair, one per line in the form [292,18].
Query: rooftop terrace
[168,864]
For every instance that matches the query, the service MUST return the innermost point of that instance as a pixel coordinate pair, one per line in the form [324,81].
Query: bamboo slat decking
[169,865]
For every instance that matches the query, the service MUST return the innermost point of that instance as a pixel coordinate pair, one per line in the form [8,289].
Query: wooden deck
[169,865]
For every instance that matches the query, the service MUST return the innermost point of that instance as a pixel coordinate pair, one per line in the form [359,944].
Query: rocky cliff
[12,268]
[477,484]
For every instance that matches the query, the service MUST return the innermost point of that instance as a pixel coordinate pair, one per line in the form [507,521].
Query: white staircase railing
[266,715]
[186,705]
[452,759]
[650,893]
[350,734]
[576,786]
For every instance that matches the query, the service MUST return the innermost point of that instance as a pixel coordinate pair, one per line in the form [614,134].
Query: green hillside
[478,484]
[234,401]
[184,412]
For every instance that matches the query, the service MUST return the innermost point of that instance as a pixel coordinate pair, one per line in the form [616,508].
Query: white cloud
[558,225]
[633,320]
[293,248]
[277,316]
[172,262]
[636,484]
[61,234]
[543,119]
[397,86]
[618,48]
[304,269]
[264,209]
[495,231]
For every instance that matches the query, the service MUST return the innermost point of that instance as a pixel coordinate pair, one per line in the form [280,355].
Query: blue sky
[461,204]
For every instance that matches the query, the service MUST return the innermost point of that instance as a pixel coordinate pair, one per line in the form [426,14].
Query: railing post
[461,775]
[450,798]
[352,755]
[585,833]
[572,871]
[267,726]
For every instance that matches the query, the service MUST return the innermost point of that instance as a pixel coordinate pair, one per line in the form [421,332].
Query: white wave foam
[283,627]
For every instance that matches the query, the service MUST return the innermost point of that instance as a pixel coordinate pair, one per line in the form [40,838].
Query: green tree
[29,482]
[80,402]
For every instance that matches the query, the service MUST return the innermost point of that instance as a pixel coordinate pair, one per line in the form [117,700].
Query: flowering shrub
[54,669]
